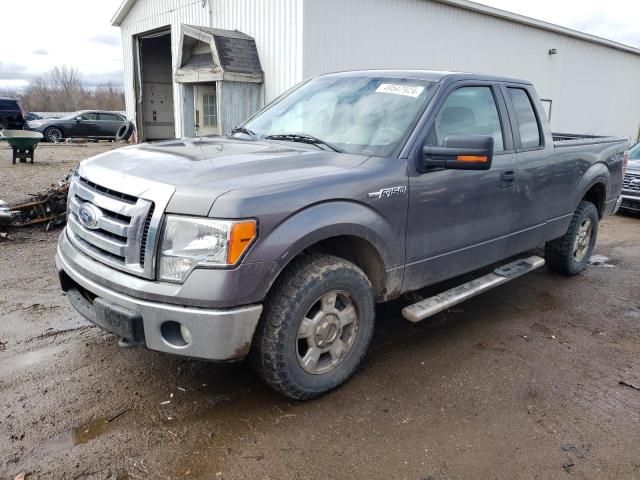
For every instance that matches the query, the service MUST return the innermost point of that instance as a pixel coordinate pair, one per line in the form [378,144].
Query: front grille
[631,182]
[111,226]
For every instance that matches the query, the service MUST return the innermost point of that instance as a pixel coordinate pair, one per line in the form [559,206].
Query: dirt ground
[51,163]
[522,382]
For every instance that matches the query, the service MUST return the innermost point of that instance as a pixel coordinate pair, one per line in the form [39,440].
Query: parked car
[31,116]
[631,182]
[11,117]
[84,124]
[277,242]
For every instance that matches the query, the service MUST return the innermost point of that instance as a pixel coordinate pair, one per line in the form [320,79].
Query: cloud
[14,71]
[40,51]
[116,78]
[112,39]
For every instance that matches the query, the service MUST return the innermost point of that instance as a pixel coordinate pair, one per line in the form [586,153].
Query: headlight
[192,242]
[34,124]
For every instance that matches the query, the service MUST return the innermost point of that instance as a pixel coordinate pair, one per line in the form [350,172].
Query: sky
[78,33]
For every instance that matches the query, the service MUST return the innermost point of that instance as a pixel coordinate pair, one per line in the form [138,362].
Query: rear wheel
[570,253]
[316,327]
[53,134]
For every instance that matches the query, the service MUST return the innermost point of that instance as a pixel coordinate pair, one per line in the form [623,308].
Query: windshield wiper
[302,138]
[244,130]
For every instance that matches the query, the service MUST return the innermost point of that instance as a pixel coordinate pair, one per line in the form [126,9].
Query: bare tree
[61,90]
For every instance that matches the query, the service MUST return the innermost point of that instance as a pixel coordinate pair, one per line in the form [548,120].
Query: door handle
[507,178]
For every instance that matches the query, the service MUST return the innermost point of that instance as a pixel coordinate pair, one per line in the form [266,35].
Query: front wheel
[53,134]
[316,327]
[570,253]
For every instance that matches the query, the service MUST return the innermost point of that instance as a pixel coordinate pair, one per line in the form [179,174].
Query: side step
[436,304]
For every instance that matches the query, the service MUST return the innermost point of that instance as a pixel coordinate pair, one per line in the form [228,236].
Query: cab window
[526,118]
[468,111]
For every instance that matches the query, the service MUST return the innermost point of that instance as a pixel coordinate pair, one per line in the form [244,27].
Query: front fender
[325,220]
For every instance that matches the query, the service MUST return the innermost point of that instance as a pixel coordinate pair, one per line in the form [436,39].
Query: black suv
[11,117]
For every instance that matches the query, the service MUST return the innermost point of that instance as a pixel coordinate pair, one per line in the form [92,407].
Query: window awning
[211,54]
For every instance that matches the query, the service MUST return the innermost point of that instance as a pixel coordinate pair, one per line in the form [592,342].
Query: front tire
[316,327]
[53,134]
[570,253]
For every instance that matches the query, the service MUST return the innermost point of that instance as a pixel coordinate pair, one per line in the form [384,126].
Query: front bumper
[630,202]
[214,334]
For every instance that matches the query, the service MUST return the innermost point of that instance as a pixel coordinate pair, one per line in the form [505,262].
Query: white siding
[276,26]
[594,88]
[146,15]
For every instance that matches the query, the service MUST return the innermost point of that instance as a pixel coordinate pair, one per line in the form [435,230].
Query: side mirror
[78,119]
[459,152]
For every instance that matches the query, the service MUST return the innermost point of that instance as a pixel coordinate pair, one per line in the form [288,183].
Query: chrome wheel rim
[583,240]
[327,332]
[54,135]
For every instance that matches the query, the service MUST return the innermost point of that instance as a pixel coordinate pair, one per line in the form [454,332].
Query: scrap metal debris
[48,207]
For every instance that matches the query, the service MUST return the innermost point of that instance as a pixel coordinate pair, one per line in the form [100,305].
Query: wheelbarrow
[23,143]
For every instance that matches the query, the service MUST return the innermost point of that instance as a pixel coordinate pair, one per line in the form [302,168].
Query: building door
[206,110]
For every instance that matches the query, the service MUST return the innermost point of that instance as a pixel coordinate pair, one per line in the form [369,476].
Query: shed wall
[594,88]
[276,26]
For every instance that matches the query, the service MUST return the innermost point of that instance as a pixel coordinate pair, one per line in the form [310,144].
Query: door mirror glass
[459,152]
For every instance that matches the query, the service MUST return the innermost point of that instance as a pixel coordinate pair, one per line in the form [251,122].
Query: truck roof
[428,75]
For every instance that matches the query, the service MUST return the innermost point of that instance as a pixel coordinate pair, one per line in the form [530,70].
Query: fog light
[176,334]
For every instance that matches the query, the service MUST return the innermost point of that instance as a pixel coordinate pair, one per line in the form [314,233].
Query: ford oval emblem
[89,215]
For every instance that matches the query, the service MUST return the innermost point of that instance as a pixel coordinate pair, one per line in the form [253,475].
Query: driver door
[87,126]
[459,219]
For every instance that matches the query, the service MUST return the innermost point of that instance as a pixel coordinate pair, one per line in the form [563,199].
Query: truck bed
[572,139]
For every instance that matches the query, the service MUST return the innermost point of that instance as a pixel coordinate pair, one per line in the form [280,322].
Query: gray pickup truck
[276,242]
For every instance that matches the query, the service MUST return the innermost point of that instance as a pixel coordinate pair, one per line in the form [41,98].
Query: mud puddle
[27,359]
[77,436]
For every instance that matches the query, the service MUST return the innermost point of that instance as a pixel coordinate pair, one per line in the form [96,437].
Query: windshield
[634,153]
[366,115]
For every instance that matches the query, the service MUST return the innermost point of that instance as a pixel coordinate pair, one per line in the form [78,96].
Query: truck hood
[196,171]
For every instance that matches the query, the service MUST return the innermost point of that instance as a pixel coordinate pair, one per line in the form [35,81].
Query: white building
[211,63]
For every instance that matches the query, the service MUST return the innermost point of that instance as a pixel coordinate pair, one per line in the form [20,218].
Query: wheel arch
[596,194]
[347,230]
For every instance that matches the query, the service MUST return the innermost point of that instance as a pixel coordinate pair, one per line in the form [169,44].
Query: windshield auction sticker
[398,89]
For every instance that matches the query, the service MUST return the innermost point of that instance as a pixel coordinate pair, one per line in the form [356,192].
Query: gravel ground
[51,163]
[522,382]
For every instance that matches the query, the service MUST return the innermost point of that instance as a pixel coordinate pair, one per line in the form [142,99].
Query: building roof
[234,51]
[126,5]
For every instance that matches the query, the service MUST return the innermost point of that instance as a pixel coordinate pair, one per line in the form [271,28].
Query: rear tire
[570,253]
[316,327]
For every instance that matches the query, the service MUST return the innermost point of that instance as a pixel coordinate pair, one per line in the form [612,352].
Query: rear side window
[9,105]
[468,111]
[111,117]
[526,118]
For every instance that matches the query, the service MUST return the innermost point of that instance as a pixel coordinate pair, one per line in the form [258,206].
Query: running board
[436,304]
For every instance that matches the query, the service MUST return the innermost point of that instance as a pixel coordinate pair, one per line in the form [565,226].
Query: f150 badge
[388,192]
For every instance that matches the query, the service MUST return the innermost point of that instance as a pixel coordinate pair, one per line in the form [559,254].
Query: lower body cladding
[212,334]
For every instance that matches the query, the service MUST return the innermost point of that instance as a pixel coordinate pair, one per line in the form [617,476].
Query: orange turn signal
[241,236]
[472,158]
